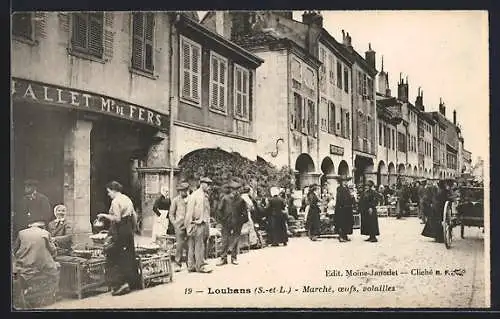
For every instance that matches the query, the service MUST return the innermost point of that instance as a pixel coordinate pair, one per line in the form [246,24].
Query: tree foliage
[223,167]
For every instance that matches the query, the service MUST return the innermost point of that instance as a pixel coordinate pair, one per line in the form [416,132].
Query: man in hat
[34,251]
[344,219]
[177,217]
[231,214]
[34,207]
[197,224]
[368,210]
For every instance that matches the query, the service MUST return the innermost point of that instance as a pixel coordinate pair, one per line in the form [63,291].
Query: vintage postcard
[250,159]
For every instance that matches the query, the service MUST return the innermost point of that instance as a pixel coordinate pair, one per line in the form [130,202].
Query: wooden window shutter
[244,106]
[137,40]
[148,41]
[195,69]
[40,25]
[96,32]
[79,31]
[186,69]
[109,35]
[214,87]
[222,85]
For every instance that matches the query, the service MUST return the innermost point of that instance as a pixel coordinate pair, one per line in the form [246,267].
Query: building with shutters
[286,85]
[213,92]
[121,96]
[90,104]
[364,112]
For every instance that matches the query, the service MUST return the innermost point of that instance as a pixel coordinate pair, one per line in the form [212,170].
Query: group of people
[343,204]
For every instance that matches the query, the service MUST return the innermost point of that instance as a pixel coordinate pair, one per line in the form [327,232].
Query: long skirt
[279,233]
[369,223]
[433,228]
[344,220]
[121,260]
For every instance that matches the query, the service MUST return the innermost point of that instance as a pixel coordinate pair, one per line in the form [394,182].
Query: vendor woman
[61,231]
[120,256]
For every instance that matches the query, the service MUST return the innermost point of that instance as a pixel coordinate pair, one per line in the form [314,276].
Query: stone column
[77,176]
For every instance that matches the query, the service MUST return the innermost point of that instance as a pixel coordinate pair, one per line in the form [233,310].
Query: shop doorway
[117,149]
[38,150]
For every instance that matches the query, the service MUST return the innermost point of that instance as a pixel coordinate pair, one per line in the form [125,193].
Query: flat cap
[182,186]
[206,180]
[234,185]
[31,182]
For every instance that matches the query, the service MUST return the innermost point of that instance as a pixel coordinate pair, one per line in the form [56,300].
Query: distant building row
[127,96]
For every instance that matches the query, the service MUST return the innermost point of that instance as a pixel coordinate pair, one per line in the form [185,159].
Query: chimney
[419,103]
[312,18]
[387,90]
[370,56]
[219,22]
[346,39]
[402,89]
[454,117]
[382,80]
[442,107]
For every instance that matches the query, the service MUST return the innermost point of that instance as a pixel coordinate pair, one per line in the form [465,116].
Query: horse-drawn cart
[467,210]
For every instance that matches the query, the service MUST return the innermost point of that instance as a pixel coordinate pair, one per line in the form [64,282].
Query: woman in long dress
[433,227]
[120,255]
[276,206]
[368,209]
[313,214]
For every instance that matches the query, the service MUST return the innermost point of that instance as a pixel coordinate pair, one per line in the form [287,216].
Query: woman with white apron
[249,226]
[161,208]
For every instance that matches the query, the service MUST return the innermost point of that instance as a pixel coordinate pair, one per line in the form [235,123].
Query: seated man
[34,263]
[61,231]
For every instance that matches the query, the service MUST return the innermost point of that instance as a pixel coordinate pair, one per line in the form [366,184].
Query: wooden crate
[214,247]
[155,269]
[38,292]
[382,211]
[79,276]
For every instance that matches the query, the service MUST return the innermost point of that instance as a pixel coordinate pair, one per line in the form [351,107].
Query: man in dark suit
[34,207]
[232,214]
[344,219]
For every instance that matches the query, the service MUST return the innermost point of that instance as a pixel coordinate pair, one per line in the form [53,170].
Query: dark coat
[369,222]
[278,232]
[34,208]
[433,227]
[161,203]
[313,216]
[343,210]
[232,212]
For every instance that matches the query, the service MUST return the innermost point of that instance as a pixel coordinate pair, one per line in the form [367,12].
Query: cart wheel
[462,229]
[447,228]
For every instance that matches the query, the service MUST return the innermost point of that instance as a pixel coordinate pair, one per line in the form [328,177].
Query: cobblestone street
[302,265]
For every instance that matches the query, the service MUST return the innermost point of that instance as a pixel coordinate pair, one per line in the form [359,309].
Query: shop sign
[36,92]
[336,150]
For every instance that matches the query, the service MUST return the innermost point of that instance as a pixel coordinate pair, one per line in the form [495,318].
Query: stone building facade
[82,84]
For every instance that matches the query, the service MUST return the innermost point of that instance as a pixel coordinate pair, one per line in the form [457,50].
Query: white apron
[160,224]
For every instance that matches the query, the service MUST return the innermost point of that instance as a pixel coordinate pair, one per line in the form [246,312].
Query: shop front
[74,142]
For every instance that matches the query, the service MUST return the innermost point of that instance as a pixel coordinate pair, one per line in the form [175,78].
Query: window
[296,70]
[190,70]
[339,75]
[347,125]
[218,82]
[22,25]
[331,64]
[380,136]
[369,92]
[241,92]
[360,83]
[364,84]
[346,80]
[322,58]
[142,41]
[401,142]
[331,118]
[323,111]
[87,33]
[297,121]
[311,118]
[309,78]
[342,123]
